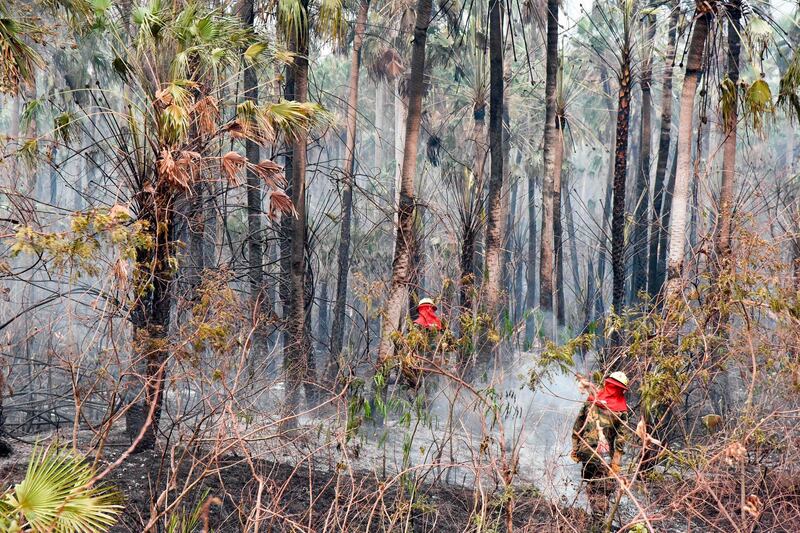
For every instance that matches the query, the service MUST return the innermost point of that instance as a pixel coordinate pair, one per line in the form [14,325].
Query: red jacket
[427,317]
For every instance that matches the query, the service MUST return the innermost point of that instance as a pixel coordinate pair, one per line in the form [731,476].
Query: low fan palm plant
[58,495]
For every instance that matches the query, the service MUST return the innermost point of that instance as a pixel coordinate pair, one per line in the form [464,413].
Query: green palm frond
[56,496]
[293,118]
[757,103]
[330,21]
[174,102]
[18,60]
[788,97]
[150,21]
[292,17]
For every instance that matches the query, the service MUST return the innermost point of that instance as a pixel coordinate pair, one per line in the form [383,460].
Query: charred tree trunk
[546,262]
[530,276]
[493,271]
[401,267]
[337,334]
[558,231]
[680,198]
[472,206]
[642,192]
[255,252]
[150,317]
[603,249]
[658,225]
[296,346]
[620,174]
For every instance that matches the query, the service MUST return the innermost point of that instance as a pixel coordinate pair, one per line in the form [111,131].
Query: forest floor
[313,498]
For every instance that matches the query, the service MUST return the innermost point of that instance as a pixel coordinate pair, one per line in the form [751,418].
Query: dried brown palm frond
[178,171]
[270,172]
[280,203]
[232,166]
[386,65]
[207,112]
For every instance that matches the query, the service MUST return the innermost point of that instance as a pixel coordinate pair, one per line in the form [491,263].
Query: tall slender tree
[680,197]
[642,190]
[546,259]
[401,265]
[625,80]
[493,271]
[730,117]
[655,278]
[296,345]
[558,227]
[255,252]
[337,334]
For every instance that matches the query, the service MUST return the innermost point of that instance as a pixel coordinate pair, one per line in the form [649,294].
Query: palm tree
[546,258]
[642,192]
[167,128]
[337,334]
[680,197]
[493,271]
[625,80]
[655,276]
[558,232]
[730,103]
[296,348]
[255,255]
[401,265]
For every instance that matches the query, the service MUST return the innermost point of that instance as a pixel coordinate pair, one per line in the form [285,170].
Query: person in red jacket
[427,315]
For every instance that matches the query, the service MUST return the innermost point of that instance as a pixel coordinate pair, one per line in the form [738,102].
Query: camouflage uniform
[598,439]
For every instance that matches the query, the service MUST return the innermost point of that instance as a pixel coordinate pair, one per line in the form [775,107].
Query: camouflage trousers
[600,487]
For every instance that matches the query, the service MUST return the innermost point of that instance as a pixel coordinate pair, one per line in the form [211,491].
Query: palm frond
[292,17]
[293,118]
[56,495]
[788,97]
[18,60]
[330,21]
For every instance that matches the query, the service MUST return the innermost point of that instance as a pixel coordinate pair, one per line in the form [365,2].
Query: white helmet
[620,378]
[427,301]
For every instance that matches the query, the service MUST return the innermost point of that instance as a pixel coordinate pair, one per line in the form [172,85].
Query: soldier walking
[598,440]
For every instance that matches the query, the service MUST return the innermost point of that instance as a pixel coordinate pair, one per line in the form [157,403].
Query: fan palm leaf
[57,495]
[18,60]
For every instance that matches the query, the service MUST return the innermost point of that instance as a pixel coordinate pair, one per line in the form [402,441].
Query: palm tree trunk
[566,195]
[400,117]
[530,275]
[599,304]
[558,231]
[380,108]
[255,255]
[657,224]
[472,205]
[546,261]
[337,334]
[295,350]
[150,317]
[723,234]
[620,174]
[680,198]
[401,267]
[493,271]
[642,194]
